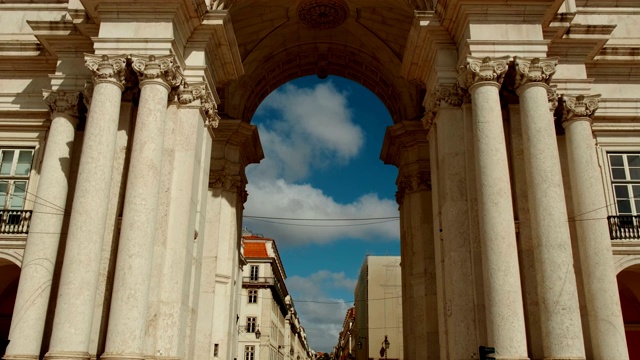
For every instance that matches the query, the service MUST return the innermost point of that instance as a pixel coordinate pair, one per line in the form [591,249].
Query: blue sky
[322,142]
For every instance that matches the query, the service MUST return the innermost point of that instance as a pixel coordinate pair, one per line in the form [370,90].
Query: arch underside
[367,48]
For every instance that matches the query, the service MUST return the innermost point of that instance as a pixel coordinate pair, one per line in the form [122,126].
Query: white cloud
[322,318]
[314,127]
[278,198]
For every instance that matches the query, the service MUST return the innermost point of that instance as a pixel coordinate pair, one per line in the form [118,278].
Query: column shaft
[32,300]
[559,307]
[505,314]
[604,314]
[128,313]
[79,277]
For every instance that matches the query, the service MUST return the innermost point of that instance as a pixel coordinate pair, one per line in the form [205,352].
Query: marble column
[79,276]
[181,223]
[129,302]
[503,296]
[604,315]
[558,295]
[406,146]
[32,300]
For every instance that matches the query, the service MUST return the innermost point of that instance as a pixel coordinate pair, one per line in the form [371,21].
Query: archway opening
[323,194]
[629,290]
[9,277]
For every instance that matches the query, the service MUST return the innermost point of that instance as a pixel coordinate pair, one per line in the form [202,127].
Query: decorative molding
[62,102]
[450,95]
[411,183]
[534,70]
[580,106]
[107,69]
[323,14]
[161,68]
[483,69]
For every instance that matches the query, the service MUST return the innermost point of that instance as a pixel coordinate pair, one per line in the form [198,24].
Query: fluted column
[128,312]
[406,146]
[558,295]
[503,297]
[36,275]
[604,314]
[79,277]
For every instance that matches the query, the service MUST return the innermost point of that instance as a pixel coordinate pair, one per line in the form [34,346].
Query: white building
[377,330]
[268,324]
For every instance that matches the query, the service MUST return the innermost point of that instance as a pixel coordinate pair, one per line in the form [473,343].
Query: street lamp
[385,344]
[245,329]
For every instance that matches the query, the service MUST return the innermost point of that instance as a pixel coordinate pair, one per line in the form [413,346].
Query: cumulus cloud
[322,318]
[312,128]
[285,200]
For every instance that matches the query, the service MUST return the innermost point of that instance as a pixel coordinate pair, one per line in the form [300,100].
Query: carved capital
[552,97]
[482,69]
[581,106]
[62,102]
[159,68]
[231,183]
[411,183]
[107,69]
[534,70]
[87,93]
[188,93]
[449,95]
[210,111]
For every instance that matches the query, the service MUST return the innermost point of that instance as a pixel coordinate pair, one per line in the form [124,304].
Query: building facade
[268,324]
[125,133]
[377,332]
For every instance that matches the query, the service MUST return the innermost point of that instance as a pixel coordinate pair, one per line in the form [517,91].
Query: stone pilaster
[503,297]
[557,292]
[604,315]
[129,304]
[71,332]
[406,146]
[41,251]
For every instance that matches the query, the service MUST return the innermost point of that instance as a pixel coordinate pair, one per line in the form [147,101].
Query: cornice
[61,38]
[400,138]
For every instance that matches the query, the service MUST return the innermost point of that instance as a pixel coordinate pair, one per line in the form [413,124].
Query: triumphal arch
[515,133]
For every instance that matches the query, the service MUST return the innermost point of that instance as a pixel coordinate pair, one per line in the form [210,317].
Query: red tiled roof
[255,250]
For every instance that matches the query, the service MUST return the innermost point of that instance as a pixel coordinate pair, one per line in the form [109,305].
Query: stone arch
[626,262]
[9,278]
[629,291]
[11,256]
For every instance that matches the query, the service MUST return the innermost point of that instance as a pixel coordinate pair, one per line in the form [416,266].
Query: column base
[107,356]
[20,357]
[67,355]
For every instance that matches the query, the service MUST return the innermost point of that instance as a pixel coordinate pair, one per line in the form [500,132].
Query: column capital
[62,102]
[411,183]
[479,70]
[535,70]
[210,111]
[190,93]
[107,69]
[579,107]
[231,183]
[451,95]
[161,69]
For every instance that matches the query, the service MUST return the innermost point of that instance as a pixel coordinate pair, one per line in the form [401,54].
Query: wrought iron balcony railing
[14,221]
[624,227]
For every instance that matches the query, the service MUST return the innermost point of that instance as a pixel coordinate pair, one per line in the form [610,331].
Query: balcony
[624,227]
[15,222]
[271,282]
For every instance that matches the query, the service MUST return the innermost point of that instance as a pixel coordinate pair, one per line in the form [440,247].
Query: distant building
[346,347]
[378,309]
[268,324]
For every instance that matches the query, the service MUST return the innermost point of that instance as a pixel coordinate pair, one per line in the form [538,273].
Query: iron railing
[624,227]
[15,221]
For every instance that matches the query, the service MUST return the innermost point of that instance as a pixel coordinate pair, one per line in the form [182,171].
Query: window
[253,296]
[254,273]
[251,324]
[249,352]
[15,166]
[625,177]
